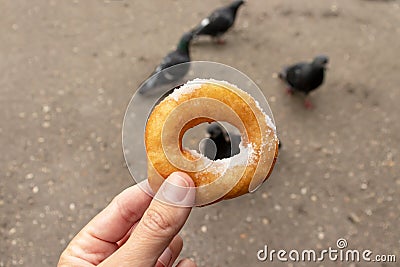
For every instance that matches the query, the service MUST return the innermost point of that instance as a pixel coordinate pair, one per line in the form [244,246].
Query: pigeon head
[321,61]
[236,4]
[215,131]
[184,42]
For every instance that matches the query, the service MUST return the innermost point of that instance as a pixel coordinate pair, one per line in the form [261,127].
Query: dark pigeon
[305,76]
[219,22]
[220,144]
[178,56]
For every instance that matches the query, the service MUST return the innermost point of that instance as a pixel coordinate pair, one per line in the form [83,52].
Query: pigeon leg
[308,104]
[289,91]
[219,40]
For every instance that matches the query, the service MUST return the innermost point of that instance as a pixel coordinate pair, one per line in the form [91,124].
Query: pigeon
[220,144]
[305,76]
[219,22]
[178,56]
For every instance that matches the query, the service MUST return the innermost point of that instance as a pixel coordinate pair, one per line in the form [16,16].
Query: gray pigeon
[178,56]
[305,76]
[219,22]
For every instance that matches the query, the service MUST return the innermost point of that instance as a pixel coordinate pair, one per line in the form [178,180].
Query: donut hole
[217,140]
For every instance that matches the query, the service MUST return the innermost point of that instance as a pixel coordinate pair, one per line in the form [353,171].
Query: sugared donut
[200,101]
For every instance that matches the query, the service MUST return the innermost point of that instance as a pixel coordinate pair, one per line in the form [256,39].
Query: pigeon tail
[148,85]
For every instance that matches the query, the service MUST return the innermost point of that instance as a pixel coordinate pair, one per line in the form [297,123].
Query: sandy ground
[69,68]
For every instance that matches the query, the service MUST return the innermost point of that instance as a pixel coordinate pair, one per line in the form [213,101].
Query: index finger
[111,224]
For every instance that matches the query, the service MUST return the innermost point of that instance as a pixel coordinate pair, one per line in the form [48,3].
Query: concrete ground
[69,68]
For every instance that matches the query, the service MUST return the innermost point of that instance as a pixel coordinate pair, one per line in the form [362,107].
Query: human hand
[134,230]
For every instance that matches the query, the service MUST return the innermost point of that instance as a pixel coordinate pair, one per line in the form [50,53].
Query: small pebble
[265,221]
[364,186]
[321,235]
[29,176]
[72,206]
[303,191]
[203,229]
[46,124]
[354,218]
[106,167]
[45,108]
[35,189]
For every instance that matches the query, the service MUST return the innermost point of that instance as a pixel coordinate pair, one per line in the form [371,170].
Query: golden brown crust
[172,117]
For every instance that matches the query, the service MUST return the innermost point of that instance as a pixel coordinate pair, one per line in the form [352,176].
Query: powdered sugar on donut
[245,157]
[192,85]
[187,88]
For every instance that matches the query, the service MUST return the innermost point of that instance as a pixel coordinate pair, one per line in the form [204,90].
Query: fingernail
[166,257]
[175,188]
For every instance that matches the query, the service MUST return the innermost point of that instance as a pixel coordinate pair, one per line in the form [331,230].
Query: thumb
[160,223]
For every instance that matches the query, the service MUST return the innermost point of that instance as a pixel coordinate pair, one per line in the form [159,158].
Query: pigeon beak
[327,66]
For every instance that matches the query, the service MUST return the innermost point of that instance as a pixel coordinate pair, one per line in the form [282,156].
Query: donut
[205,101]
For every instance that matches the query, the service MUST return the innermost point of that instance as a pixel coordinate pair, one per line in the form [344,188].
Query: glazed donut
[200,101]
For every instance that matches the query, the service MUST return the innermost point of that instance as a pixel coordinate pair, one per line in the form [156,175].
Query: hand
[134,230]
